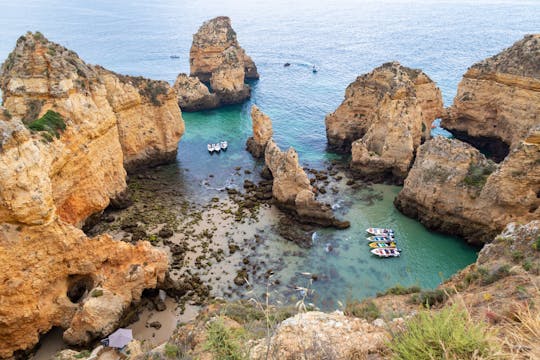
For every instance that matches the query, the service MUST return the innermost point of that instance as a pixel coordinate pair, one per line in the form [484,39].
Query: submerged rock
[56,172]
[262,132]
[453,188]
[498,99]
[385,116]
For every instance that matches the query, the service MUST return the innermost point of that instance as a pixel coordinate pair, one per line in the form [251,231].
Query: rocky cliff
[498,99]
[193,95]
[453,188]
[217,59]
[385,116]
[292,190]
[262,132]
[67,132]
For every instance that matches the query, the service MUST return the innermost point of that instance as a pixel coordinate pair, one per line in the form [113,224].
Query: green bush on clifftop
[51,123]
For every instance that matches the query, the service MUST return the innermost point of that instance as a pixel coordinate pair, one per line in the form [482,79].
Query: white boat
[385,252]
[380,232]
[223,145]
[217,148]
[210,148]
[381,239]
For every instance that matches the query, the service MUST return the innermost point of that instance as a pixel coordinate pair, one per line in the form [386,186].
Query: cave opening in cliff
[493,148]
[78,287]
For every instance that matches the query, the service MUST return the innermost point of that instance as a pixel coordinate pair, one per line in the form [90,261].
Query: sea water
[343,39]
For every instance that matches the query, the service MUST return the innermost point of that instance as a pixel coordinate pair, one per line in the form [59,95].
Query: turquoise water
[343,39]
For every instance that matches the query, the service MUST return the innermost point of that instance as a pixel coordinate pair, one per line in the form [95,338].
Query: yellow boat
[382,245]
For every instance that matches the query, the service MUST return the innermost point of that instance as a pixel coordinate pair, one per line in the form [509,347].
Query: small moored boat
[223,145]
[380,231]
[210,148]
[382,245]
[385,252]
[385,239]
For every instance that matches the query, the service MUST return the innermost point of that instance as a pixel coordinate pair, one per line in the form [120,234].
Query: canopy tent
[120,338]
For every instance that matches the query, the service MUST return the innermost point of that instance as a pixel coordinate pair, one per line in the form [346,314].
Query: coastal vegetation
[50,124]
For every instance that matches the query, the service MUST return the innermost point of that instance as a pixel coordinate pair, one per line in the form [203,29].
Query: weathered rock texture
[193,95]
[385,116]
[49,184]
[217,59]
[453,188]
[316,335]
[292,190]
[498,99]
[262,132]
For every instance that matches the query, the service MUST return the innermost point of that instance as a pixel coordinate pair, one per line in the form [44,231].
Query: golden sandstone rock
[385,116]
[498,99]
[262,132]
[52,180]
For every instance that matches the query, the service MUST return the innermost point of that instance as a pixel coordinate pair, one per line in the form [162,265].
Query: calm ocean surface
[343,39]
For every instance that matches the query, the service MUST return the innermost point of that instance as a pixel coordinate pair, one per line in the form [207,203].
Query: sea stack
[498,99]
[69,131]
[262,132]
[218,61]
[385,116]
[292,190]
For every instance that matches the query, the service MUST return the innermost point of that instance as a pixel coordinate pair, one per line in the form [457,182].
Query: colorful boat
[380,231]
[385,252]
[382,245]
[385,239]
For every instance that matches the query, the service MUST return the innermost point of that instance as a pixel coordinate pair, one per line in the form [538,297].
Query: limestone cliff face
[262,132]
[212,44]
[383,119]
[498,99]
[193,95]
[57,171]
[217,58]
[292,190]
[453,188]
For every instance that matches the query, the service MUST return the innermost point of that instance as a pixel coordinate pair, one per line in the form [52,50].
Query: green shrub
[171,351]
[83,354]
[400,290]
[51,123]
[477,174]
[497,274]
[365,309]
[445,334]
[430,297]
[536,245]
[97,293]
[223,342]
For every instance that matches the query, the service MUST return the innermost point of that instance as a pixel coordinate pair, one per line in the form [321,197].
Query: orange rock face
[498,99]
[55,176]
[383,119]
[262,132]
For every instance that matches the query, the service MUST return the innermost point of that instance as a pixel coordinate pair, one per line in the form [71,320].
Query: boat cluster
[383,242]
[217,147]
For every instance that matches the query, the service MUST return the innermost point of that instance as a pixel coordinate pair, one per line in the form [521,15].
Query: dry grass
[522,334]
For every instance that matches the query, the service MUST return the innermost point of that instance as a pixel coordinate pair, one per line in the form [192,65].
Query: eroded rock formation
[217,59]
[498,99]
[67,132]
[453,188]
[385,116]
[262,132]
[193,95]
[292,191]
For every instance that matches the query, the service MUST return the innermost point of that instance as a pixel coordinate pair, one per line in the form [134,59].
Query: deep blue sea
[343,39]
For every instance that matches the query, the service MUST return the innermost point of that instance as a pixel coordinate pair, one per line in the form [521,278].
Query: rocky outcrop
[40,75]
[214,44]
[66,133]
[385,116]
[217,59]
[319,335]
[193,95]
[453,188]
[498,99]
[262,132]
[292,190]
